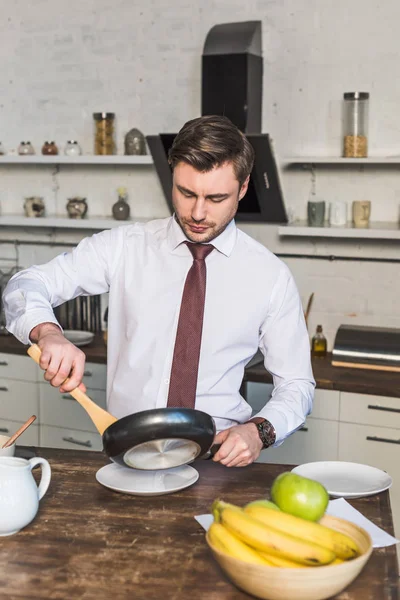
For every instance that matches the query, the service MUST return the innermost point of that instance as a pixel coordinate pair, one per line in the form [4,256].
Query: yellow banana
[337,561]
[228,543]
[258,536]
[279,561]
[342,545]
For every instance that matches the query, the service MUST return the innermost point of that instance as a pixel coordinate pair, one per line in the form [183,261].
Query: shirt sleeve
[285,345]
[31,294]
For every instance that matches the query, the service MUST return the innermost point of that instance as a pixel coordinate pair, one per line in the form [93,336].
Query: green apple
[265,503]
[300,496]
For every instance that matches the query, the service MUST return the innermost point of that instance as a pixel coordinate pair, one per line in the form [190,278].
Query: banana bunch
[261,535]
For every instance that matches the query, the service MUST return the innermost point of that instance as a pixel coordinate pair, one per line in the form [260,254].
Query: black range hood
[263,201]
[232,73]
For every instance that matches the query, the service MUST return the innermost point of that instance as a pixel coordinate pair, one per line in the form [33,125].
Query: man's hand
[241,445]
[60,359]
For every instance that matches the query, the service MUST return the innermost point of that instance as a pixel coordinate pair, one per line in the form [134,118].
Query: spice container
[72,148]
[355,124]
[49,148]
[318,343]
[25,148]
[104,142]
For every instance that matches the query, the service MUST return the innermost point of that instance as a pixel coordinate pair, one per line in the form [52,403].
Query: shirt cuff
[28,321]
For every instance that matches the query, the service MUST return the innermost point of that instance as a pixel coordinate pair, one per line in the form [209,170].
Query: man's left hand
[241,445]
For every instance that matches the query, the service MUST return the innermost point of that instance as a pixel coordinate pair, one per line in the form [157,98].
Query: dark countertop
[90,542]
[362,381]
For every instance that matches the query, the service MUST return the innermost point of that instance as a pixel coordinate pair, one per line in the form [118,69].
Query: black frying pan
[160,438]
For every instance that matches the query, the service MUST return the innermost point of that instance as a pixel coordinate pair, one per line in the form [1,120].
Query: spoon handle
[19,431]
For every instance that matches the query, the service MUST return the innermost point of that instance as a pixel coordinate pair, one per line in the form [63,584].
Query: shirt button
[166,381]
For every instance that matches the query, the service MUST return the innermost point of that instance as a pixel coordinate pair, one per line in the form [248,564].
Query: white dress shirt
[251,302]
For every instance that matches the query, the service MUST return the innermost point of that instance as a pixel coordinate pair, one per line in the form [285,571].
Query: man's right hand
[60,359]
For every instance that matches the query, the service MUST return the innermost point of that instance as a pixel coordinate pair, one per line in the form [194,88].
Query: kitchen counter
[327,377]
[92,543]
[362,381]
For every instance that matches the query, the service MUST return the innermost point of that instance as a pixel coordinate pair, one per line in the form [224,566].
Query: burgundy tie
[185,362]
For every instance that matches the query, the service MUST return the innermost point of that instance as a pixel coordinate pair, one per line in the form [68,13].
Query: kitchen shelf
[337,160]
[377,230]
[98,223]
[76,160]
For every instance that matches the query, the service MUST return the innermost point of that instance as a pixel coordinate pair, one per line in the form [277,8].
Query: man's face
[205,203]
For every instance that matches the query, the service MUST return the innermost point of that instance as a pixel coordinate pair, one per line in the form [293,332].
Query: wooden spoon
[100,417]
[16,435]
[307,312]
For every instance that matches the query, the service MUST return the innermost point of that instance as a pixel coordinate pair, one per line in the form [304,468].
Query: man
[194,265]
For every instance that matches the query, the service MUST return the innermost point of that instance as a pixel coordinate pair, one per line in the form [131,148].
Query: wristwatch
[266,431]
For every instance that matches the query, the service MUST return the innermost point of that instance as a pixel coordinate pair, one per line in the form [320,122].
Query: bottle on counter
[318,343]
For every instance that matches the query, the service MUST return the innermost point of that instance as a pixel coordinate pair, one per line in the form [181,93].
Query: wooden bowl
[311,583]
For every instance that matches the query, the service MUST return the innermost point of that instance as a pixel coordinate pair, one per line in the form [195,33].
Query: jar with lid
[25,148]
[355,124]
[72,148]
[104,136]
[49,148]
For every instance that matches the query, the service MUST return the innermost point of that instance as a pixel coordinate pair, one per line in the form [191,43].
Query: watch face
[267,434]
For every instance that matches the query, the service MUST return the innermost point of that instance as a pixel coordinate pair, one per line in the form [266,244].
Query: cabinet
[61,422]
[316,440]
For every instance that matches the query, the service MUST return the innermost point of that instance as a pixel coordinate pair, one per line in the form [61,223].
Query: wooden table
[88,542]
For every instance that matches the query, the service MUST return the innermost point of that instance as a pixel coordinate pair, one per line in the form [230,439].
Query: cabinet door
[371,445]
[13,366]
[326,405]
[317,440]
[367,409]
[30,437]
[61,410]
[18,400]
[58,437]
[95,376]
[378,447]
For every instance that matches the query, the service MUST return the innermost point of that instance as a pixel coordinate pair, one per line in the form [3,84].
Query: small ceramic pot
[34,206]
[77,207]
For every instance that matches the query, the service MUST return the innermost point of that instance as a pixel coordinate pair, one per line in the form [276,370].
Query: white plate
[346,479]
[79,338]
[146,483]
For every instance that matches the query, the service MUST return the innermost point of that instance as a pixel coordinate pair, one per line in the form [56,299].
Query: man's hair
[212,141]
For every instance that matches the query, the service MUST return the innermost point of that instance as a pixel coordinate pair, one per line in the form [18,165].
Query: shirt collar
[224,243]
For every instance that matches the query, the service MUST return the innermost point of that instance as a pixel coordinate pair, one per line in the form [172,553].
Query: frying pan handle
[212,451]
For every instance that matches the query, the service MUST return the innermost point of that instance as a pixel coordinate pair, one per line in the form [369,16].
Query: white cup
[19,494]
[338,213]
[10,451]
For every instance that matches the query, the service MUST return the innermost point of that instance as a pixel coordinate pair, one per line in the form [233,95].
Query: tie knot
[200,251]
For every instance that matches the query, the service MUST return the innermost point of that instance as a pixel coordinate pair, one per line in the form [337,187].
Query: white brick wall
[141,60]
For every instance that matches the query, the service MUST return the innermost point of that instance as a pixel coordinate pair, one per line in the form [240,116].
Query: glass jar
[135,143]
[77,207]
[104,142]
[49,148]
[355,124]
[72,148]
[25,148]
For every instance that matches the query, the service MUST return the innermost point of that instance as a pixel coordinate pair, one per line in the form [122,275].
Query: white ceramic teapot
[19,494]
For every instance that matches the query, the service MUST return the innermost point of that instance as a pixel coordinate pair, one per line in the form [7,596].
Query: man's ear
[244,187]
